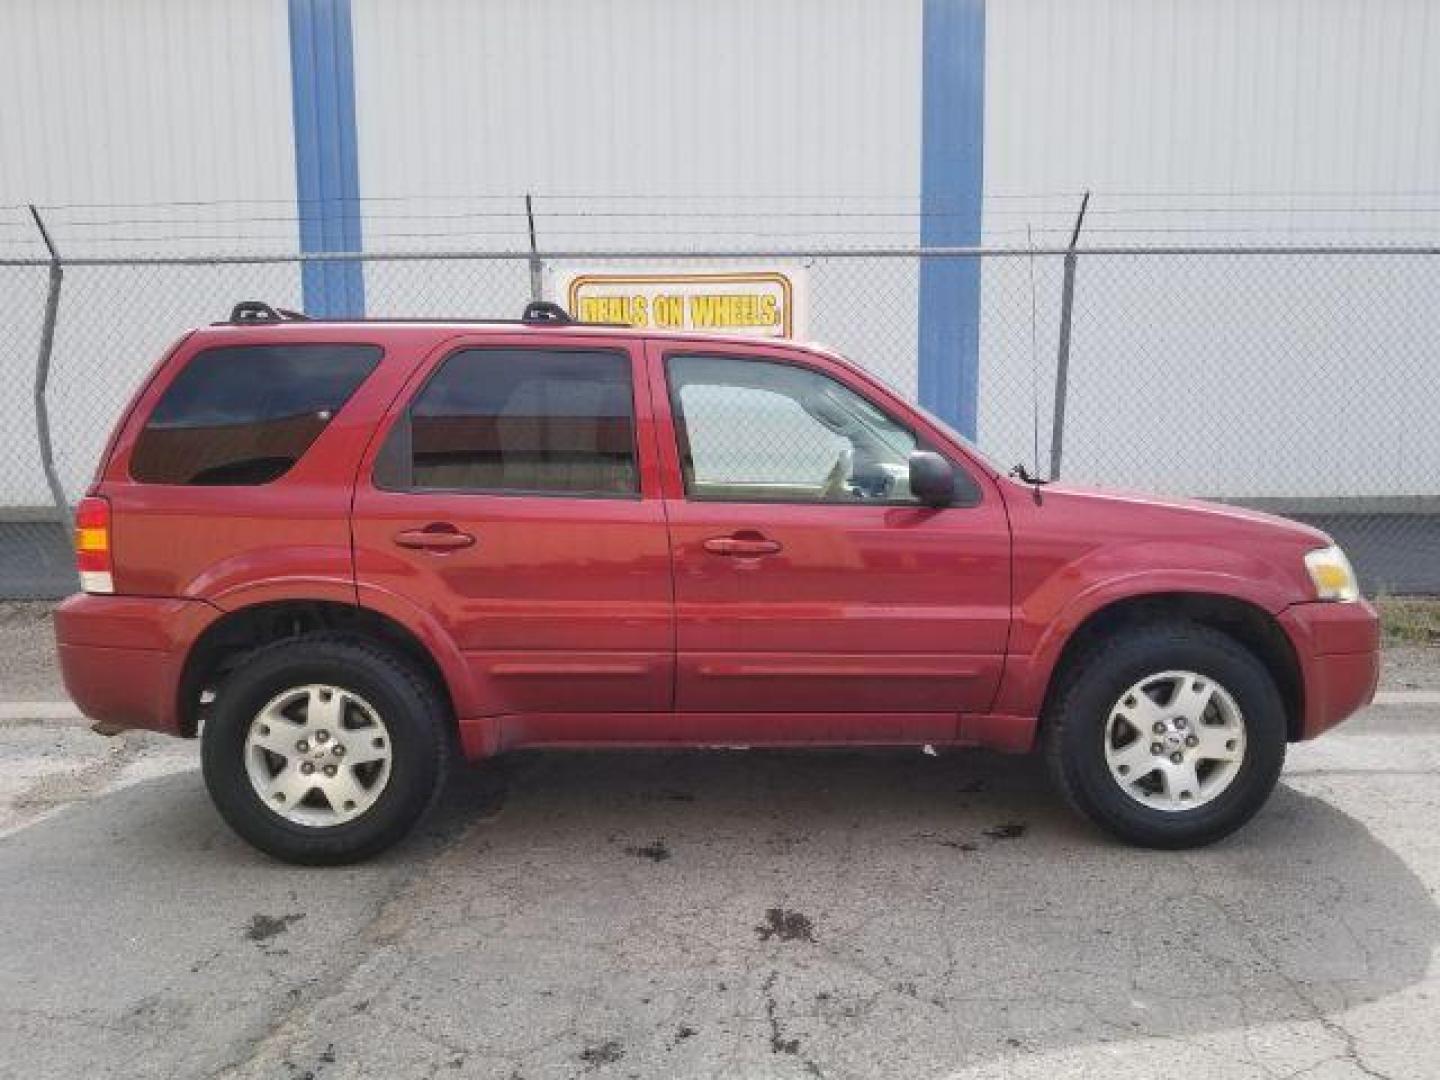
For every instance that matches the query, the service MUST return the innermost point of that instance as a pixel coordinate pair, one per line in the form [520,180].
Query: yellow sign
[763,303]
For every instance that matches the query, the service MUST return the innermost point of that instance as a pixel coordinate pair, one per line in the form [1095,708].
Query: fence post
[1062,351]
[42,373]
[537,280]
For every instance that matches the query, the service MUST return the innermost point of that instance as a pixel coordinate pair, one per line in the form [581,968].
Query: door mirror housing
[932,479]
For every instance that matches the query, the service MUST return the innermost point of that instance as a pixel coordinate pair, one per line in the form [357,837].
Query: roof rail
[249,311]
[537,313]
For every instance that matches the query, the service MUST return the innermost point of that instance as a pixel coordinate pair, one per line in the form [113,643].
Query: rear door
[514,495]
[807,578]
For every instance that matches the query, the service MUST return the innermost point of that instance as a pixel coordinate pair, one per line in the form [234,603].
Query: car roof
[439,329]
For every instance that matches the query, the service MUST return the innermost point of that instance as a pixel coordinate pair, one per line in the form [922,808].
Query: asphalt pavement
[722,915]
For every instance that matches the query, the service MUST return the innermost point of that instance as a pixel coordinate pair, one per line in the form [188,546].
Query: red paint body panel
[1339,650]
[177,540]
[121,687]
[581,586]
[1078,551]
[585,730]
[607,621]
[121,656]
[869,609]
[578,589]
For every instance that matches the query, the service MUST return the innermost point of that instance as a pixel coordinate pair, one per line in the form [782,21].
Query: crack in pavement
[393,914]
[1329,1024]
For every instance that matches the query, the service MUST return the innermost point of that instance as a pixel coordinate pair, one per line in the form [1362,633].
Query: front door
[807,579]
[515,500]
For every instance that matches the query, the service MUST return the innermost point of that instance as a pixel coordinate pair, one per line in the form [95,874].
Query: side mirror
[932,479]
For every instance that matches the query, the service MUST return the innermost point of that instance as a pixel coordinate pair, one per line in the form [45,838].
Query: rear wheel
[1167,735]
[324,749]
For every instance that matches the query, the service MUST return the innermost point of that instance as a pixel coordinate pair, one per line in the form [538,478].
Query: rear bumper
[121,656]
[1338,647]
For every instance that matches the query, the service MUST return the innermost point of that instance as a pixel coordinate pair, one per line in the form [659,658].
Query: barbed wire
[750,197]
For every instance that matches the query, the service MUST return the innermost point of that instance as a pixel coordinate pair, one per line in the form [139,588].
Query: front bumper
[122,656]
[1338,648]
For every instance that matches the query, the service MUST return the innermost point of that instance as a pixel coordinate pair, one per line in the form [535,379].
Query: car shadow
[835,913]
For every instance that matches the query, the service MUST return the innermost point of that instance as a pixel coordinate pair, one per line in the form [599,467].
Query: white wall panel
[164,126]
[1297,108]
[627,97]
[148,102]
[1224,121]
[142,127]
[643,123]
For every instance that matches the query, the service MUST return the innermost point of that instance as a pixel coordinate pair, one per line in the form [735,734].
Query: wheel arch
[239,631]
[1247,623]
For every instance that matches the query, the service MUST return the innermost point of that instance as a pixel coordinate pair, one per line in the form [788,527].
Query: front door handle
[742,544]
[437,536]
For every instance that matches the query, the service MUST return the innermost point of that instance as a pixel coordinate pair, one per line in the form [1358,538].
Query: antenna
[1034,359]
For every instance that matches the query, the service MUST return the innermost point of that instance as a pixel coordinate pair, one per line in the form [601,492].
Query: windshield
[930,416]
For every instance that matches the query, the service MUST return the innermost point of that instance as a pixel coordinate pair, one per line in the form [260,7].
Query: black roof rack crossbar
[248,311]
[546,313]
[543,311]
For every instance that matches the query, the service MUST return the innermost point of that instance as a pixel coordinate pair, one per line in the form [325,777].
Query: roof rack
[543,311]
[537,313]
[251,311]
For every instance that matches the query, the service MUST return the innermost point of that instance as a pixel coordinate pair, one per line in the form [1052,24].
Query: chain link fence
[1297,380]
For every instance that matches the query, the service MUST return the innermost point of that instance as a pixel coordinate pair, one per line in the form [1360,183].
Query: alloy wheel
[1175,740]
[318,755]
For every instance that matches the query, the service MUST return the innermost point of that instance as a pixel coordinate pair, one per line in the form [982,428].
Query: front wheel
[1167,735]
[324,749]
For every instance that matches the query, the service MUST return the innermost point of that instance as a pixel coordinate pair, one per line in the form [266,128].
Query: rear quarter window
[245,414]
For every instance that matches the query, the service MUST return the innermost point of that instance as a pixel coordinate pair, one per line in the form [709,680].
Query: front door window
[761,431]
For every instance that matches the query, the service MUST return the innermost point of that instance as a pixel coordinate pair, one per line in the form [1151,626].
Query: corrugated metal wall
[1229,119]
[1288,105]
[641,123]
[624,98]
[136,119]
[149,126]
[165,126]
[1287,121]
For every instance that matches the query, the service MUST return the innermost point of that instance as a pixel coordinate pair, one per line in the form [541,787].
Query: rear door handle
[437,536]
[742,544]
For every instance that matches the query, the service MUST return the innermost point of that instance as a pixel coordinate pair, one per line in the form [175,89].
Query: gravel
[28,670]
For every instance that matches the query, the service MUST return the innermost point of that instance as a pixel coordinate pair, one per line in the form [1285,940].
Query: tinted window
[245,414]
[763,431]
[526,420]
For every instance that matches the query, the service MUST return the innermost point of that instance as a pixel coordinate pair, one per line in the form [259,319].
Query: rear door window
[520,421]
[245,414]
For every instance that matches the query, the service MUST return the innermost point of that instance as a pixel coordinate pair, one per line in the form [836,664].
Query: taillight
[92,545]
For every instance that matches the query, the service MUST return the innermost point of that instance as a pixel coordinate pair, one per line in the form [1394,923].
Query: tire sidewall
[1101,684]
[416,759]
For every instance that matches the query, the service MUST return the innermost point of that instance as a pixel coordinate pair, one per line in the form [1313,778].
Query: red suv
[342,550]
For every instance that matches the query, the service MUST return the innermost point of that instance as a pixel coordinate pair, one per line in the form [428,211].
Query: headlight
[1332,574]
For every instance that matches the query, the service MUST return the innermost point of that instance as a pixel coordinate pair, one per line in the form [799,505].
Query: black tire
[404,698]
[1075,731]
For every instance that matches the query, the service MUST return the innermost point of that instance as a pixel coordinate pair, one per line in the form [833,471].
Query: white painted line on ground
[1408,697]
[38,710]
[12,711]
